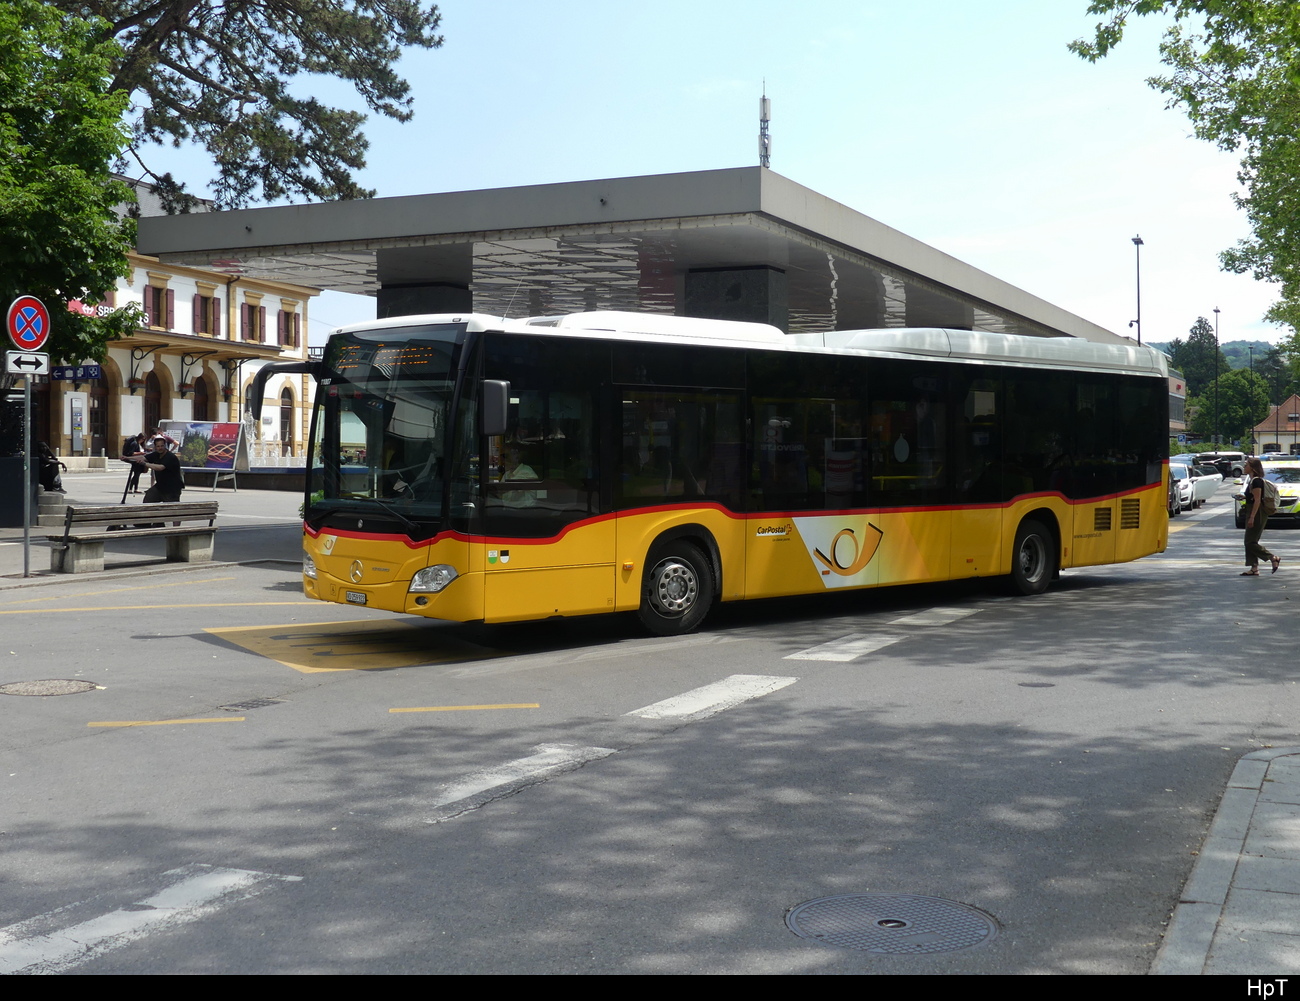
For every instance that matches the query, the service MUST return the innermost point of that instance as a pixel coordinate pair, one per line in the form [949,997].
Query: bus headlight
[433,578]
[308,565]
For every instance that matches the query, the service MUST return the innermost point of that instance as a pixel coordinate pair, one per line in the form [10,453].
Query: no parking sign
[28,323]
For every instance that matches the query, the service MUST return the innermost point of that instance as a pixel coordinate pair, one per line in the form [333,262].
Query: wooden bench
[80,549]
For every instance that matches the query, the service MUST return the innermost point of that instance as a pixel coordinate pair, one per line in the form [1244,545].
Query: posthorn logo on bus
[841,548]
[849,555]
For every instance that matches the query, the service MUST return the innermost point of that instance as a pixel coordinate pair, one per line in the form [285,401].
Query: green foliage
[236,76]
[1197,358]
[1235,70]
[1242,403]
[60,128]
[1242,354]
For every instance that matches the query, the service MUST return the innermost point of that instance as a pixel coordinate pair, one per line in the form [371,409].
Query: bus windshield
[379,432]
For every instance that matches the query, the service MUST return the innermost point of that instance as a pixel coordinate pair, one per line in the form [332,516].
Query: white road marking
[933,617]
[194,891]
[845,649]
[488,784]
[700,703]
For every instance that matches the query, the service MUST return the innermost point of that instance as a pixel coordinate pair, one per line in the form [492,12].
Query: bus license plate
[356,597]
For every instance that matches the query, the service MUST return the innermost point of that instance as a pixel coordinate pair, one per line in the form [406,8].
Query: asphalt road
[1051,761]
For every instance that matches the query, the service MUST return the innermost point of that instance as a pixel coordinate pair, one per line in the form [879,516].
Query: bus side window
[683,445]
[908,432]
[977,447]
[543,473]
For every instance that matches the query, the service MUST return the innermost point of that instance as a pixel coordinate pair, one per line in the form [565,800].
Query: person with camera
[166,466]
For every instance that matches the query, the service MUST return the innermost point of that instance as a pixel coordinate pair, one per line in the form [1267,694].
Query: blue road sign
[76,373]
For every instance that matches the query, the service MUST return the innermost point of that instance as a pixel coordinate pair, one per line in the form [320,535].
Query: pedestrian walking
[1256,520]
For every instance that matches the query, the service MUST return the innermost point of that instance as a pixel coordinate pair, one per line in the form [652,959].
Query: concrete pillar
[754,294]
[434,297]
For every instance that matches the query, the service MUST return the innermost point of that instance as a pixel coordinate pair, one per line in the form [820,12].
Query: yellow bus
[471,468]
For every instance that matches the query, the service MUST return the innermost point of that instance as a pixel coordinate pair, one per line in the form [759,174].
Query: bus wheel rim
[675,587]
[1033,557]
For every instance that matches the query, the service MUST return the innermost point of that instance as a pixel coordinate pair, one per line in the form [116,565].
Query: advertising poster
[208,445]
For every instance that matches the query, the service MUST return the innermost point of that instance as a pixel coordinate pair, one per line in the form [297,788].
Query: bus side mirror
[495,403]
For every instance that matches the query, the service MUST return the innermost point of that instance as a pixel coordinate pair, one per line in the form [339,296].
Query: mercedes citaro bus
[472,468]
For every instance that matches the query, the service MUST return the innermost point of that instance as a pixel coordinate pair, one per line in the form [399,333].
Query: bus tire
[676,591]
[1033,559]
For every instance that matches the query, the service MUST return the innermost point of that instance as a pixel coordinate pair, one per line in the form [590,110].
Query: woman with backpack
[1261,495]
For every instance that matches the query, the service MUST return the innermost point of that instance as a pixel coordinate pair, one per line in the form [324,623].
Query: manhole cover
[899,924]
[52,687]
[1036,684]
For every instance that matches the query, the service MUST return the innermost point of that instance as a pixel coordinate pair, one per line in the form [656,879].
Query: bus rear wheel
[677,591]
[1033,560]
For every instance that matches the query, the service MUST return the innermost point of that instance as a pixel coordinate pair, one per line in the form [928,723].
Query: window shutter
[244,310]
[261,323]
[215,326]
[171,308]
[196,313]
[297,330]
[280,327]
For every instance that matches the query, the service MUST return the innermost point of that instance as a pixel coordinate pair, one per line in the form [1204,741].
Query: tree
[235,76]
[60,128]
[1196,357]
[1236,71]
[1242,403]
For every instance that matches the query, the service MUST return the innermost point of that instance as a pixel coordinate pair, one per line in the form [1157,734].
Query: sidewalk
[1240,911]
[252,524]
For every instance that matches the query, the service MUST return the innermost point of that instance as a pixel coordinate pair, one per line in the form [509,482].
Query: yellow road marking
[352,645]
[116,590]
[170,722]
[447,709]
[146,608]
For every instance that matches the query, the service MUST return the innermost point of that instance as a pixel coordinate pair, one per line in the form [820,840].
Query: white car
[1287,477]
[1186,491]
[1206,481]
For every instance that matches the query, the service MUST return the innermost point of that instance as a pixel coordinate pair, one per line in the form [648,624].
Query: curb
[1186,947]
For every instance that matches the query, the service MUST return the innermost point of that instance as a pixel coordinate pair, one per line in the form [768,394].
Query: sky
[970,127]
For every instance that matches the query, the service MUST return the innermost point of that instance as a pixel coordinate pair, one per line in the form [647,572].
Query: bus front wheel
[677,591]
[1033,561]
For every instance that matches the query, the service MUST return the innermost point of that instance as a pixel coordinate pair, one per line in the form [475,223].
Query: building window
[207,313]
[288,329]
[159,307]
[201,409]
[152,402]
[286,422]
[252,322]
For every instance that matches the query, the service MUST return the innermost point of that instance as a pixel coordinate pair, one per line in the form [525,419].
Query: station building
[204,336]
[735,244]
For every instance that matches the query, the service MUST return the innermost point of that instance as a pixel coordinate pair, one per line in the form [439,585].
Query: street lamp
[1137,249]
[1216,378]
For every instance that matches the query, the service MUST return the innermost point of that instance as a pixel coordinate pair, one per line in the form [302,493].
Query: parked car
[1287,477]
[1206,481]
[1230,464]
[1186,492]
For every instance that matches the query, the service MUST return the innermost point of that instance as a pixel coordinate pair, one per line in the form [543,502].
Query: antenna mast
[764,139]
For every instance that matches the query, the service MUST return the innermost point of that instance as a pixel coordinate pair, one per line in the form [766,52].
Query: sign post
[28,323]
